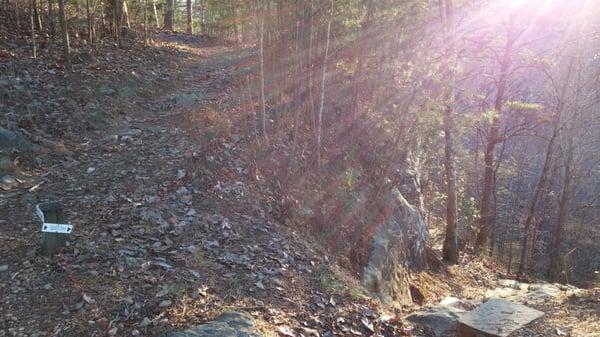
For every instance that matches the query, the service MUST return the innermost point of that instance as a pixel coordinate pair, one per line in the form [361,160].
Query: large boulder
[230,324]
[398,248]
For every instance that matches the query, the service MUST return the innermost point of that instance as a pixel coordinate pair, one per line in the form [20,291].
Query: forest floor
[172,224]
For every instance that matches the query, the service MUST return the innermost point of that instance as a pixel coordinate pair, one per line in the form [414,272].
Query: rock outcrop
[12,142]
[230,324]
[398,248]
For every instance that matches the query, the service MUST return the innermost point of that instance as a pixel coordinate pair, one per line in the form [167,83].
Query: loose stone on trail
[496,318]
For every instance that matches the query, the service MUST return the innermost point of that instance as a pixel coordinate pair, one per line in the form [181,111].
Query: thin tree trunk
[450,247]
[65,33]
[36,17]
[492,140]
[512,222]
[155,12]
[50,20]
[89,22]
[17,17]
[297,93]
[190,26]
[533,204]
[563,207]
[33,13]
[311,99]
[118,21]
[263,107]
[145,22]
[358,81]
[169,15]
[320,115]
[125,14]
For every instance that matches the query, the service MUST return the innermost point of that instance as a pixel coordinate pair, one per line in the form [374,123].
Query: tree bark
[563,207]
[145,22]
[155,12]
[90,26]
[190,26]
[492,140]
[125,14]
[33,13]
[170,15]
[65,33]
[51,20]
[320,115]
[263,110]
[311,98]
[18,17]
[534,200]
[450,247]
[358,81]
[36,17]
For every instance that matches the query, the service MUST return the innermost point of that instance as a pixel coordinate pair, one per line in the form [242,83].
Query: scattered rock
[165,303]
[145,322]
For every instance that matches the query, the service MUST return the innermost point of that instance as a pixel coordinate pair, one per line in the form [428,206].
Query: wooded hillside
[467,130]
[485,114]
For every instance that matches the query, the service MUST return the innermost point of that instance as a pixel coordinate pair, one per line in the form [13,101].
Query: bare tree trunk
[50,20]
[190,26]
[297,93]
[492,140]
[358,81]
[125,14]
[320,115]
[155,12]
[36,17]
[65,33]
[89,22]
[450,248]
[33,13]
[563,207]
[311,99]
[512,222]
[533,204]
[263,107]
[118,20]
[145,22]
[17,17]
[170,15]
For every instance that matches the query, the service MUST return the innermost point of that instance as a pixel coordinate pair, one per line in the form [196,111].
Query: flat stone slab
[496,318]
[230,324]
[442,318]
